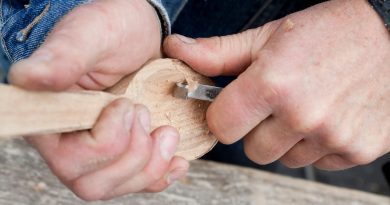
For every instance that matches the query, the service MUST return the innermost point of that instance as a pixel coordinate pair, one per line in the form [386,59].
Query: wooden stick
[35,113]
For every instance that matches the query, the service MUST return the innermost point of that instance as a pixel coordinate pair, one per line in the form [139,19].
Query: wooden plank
[25,180]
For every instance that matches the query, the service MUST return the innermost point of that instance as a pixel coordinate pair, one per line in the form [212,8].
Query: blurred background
[201,18]
[370,178]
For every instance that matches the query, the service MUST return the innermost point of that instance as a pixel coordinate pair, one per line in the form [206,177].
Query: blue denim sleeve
[26,23]
[163,15]
[173,8]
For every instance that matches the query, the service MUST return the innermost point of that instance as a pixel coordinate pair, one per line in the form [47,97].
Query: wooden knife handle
[32,113]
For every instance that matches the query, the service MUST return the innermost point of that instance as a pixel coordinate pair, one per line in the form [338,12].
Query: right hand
[312,88]
[92,48]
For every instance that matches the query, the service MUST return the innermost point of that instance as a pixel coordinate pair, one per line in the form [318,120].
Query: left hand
[313,87]
[92,48]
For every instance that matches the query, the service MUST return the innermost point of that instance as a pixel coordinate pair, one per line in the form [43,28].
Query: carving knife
[197,91]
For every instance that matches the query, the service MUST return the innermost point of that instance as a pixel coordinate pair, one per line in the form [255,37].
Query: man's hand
[313,87]
[93,47]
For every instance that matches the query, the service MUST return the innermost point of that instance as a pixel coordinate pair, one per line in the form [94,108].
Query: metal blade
[199,92]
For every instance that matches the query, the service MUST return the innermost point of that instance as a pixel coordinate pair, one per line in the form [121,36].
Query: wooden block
[35,113]
[153,86]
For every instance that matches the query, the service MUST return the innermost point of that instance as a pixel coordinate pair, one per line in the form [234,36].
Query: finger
[240,107]
[96,185]
[68,52]
[269,141]
[165,142]
[178,169]
[228,55]
[72,154]
[333,162]
[304,153]
[44,143]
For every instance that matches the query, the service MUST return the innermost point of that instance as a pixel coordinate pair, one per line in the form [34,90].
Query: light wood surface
[25,180]
[34,113]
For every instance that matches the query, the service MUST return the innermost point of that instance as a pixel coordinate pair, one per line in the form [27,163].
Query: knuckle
[254,158]
[333,162]
[155,175]
[121,102]
[305,121]
[275,87]
[85,192]
[117,108]
[214,46]
[76,64]
[215,128]
[252,154]
[61,169]
[363,157]
[292,161]
[274,82]
[336,141]
[157,188]
[304,124]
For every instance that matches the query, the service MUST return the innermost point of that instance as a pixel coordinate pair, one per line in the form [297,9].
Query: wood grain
[34,113]
[25,180]
[153,86]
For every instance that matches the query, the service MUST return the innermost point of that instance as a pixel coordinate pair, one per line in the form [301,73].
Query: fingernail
[168,144]
[185,39]
[176,174]
[128,120]
[144,119]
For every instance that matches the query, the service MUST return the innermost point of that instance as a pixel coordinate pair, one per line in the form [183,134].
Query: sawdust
[186,180]
[38,186]
[192,84]
[190,80]
[168,115]
[288,25]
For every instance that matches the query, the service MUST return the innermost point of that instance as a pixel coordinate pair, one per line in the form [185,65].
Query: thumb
[69,52]
[227,55]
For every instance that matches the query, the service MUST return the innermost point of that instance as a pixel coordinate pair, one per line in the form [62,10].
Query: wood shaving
[192,84]
[40,186]
[168,115]
[288,25]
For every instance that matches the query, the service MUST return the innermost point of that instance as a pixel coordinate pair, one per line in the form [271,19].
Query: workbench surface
[25,180]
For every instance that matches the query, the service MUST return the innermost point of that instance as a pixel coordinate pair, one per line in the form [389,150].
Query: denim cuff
[164,17]
[25,26]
